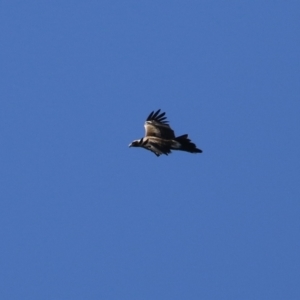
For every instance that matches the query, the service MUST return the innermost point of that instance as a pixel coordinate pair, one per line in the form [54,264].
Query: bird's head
[135,143]
[138,143]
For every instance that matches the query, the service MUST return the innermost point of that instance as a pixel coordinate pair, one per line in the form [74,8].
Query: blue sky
[82,216]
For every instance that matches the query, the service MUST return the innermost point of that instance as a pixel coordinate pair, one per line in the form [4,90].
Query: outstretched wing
[158,148]
[156,125]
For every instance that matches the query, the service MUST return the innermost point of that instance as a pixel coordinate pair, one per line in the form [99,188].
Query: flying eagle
[160,138]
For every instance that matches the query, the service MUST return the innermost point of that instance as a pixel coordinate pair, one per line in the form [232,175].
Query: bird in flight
[160,138]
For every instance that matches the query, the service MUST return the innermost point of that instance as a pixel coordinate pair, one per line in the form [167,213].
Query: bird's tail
[185,144]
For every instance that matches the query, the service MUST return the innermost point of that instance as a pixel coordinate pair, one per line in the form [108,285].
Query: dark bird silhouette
[160,138]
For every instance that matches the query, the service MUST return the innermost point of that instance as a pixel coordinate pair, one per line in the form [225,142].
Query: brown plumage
[160,138]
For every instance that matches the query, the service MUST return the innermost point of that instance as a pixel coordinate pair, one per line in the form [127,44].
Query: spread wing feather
[156,125]
[157,117]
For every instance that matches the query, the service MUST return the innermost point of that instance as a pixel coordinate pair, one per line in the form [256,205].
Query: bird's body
[160,138]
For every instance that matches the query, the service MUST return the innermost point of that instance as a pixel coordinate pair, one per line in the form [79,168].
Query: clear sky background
[82,216]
